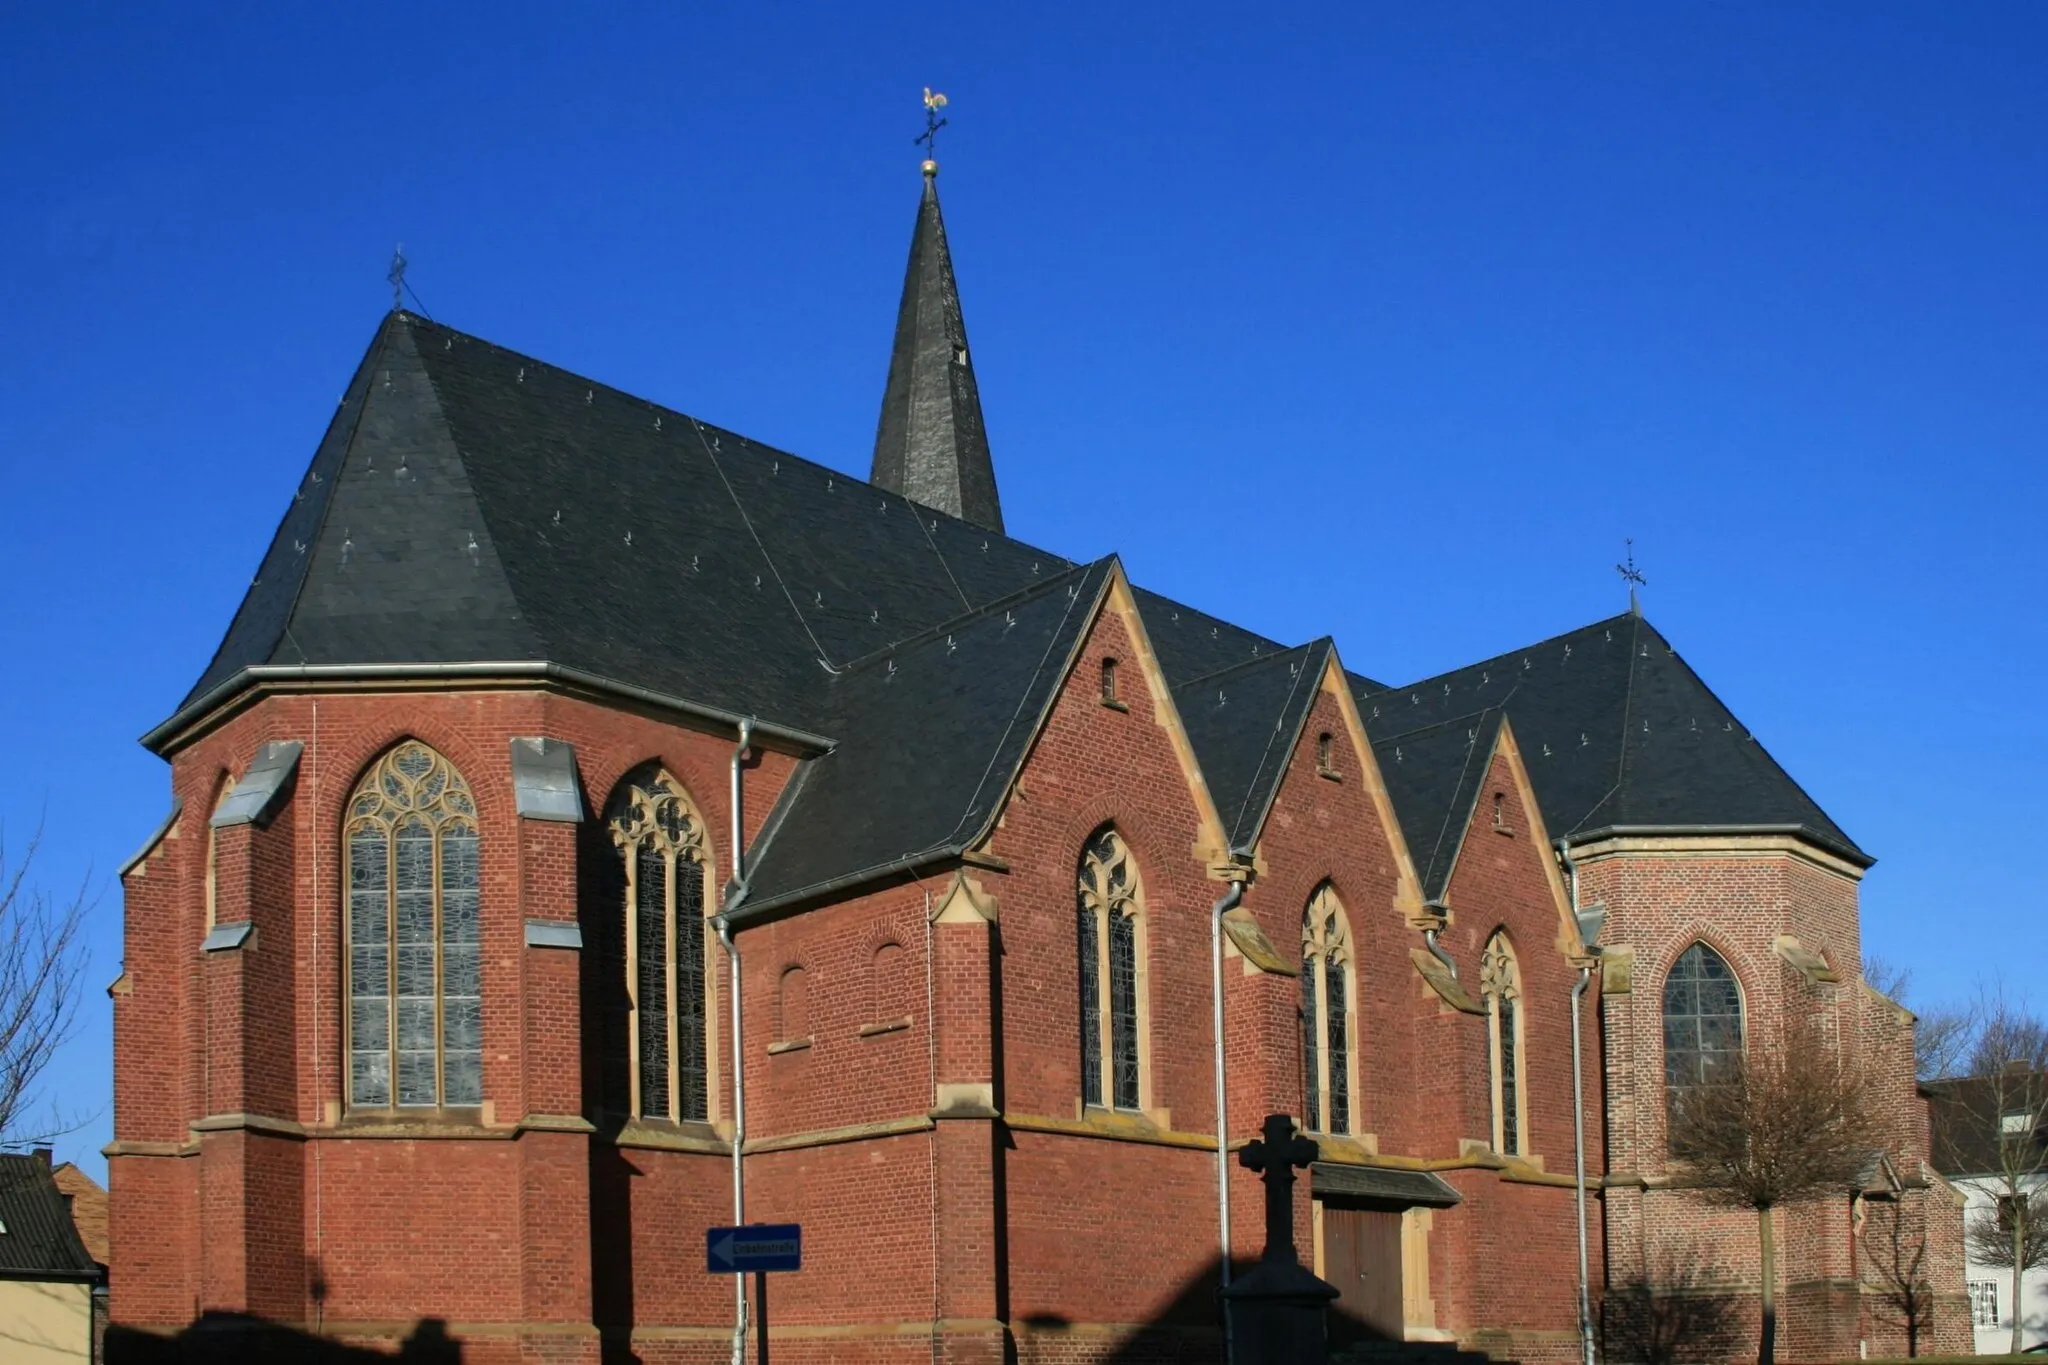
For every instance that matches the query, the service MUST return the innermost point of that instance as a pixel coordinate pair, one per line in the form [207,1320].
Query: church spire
[930,444]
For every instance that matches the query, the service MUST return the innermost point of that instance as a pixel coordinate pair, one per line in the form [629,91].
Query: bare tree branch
[1772,1126]
[42,962]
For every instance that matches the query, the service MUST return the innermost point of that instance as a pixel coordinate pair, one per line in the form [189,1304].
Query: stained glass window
[1110,951]
[1326,1013]
[1702,1018]
[1500,981]
[655,1037]
[415,1019]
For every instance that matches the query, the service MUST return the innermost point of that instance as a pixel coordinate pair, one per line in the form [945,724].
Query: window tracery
[1702,1019]
[415,1025]
[1326,1012]
[656,1062]
[1109,908]
[1500,981]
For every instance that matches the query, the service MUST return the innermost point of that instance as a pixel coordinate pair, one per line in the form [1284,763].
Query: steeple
[930,445]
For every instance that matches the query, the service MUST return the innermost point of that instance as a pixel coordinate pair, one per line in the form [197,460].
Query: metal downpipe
[1229,901]
[735,893]
[1579,1118]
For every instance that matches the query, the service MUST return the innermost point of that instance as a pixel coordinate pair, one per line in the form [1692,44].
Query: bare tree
[42,959]
[1776,1125]
[1941,1035]
[1991,1132]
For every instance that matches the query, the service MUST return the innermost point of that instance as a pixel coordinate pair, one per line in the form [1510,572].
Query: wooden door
[1362,1258]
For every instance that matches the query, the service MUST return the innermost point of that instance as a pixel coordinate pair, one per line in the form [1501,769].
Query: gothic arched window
[415,988]
[1110,911]
[653,890]
[1500,980]
[1702,1019]
[1326,1012]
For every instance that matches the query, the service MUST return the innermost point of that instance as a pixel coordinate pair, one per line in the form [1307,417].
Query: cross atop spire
[930,444]
[933,102]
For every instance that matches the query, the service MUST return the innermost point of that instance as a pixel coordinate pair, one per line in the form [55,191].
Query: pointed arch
[1500,982]
[1329,1003]
[1703,1018]
[651,895]
[412,923]
[1115,1016]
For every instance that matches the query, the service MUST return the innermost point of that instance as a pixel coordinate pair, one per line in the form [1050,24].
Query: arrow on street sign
[754,1247]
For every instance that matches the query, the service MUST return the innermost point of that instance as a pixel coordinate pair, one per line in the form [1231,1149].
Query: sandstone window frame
[1507,1052]
[1329,1037]
[1111,925]
[412,794]
[652,824]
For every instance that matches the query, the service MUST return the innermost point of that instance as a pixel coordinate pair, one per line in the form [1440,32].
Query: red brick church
[595,827]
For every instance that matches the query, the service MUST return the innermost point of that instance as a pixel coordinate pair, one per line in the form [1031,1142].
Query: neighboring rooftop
[37,1238]
[88,1208]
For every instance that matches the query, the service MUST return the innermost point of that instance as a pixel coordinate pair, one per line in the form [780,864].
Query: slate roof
[930,733]
[930,443]
[473,506]
[1617,732]
[40,1242]
[1434,774]
[1242,722]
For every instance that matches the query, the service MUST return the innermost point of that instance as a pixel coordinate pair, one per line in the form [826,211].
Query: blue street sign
[755,1247]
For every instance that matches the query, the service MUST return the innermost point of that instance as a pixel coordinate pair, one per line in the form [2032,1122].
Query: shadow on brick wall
[1683,1317]
[237,1339]
[1188,1331]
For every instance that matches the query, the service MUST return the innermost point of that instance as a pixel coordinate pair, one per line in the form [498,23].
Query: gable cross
[1632,576]
[396,277]
[1274,1156]
[933,102]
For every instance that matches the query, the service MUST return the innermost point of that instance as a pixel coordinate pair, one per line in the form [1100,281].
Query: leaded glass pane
[1510,1105]
[650,987]
[461,968]
[369,967]
[415,987]
[1702,1018]
[1091,1005]
[612,1002]
[692,1080]
[1311,1048]
[1123,1007]
[1340,1049]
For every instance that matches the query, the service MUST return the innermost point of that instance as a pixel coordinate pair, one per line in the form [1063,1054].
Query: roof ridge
[1294,693]
[1523,649]
[952,624]
[755,446]
[1247,665]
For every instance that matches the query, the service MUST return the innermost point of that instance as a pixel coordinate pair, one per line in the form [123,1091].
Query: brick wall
[913,1070]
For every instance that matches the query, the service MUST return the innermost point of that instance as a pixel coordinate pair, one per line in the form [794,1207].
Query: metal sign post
[760,1248]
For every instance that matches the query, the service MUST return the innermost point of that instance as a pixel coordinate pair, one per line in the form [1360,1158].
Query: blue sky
[1389,321]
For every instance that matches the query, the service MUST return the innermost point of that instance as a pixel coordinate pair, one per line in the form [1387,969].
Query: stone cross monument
[1276,1309]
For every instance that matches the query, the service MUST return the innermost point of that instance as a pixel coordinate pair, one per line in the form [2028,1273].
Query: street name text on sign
[754,1248]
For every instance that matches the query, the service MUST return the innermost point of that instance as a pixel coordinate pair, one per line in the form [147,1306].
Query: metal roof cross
[396,277]
[1632,576]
